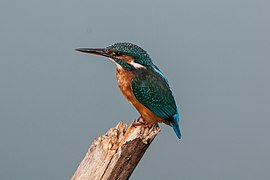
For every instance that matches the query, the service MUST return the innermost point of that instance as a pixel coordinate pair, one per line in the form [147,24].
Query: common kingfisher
[142,83]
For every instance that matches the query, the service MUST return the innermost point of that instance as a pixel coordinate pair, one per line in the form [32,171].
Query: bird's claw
[140,122]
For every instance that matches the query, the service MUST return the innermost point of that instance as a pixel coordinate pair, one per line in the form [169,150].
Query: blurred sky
[54,101]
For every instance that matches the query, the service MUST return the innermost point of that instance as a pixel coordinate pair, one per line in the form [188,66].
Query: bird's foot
[141,125]
[140,122]
[136,123]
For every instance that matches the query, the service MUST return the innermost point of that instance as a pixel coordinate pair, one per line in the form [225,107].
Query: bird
[142,83]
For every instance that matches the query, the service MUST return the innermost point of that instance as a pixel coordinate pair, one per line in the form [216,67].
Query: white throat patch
[117,65]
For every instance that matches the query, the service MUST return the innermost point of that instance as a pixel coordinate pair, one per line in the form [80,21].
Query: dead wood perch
[107,158]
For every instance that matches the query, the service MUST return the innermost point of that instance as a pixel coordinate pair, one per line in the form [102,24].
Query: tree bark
[115,154]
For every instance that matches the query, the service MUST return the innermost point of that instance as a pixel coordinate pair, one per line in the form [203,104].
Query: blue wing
[153,91]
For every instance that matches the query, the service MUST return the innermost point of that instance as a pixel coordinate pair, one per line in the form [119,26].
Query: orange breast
[124,79]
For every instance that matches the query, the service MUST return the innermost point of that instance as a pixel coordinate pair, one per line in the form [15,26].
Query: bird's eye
[117,53]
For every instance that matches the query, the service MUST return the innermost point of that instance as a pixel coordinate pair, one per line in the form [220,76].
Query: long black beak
[96,51]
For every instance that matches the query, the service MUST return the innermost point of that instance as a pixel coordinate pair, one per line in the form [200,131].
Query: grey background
[55,101]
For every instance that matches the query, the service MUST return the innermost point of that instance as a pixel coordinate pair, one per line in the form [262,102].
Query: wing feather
[153,91]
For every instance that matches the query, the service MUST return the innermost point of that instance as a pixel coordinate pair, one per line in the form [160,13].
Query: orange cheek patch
[127,59]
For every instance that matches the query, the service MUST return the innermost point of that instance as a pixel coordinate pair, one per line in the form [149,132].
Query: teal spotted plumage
[142,83]
[154,92]
[139,54]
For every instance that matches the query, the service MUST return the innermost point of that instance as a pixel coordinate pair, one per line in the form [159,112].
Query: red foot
[134,124]
[140,122]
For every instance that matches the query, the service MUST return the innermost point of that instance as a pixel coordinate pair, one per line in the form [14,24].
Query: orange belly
[124,79]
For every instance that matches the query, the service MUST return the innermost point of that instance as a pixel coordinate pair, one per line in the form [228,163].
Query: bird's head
[126,55]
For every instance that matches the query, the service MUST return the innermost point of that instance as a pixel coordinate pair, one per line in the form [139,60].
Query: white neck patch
[137,65]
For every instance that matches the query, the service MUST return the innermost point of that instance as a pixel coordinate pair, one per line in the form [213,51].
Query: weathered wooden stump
[115,154]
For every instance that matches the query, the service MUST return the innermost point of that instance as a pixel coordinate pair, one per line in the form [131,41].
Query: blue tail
[175,125]
[176,129]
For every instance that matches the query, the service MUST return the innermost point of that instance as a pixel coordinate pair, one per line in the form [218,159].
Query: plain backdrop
[54,101]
